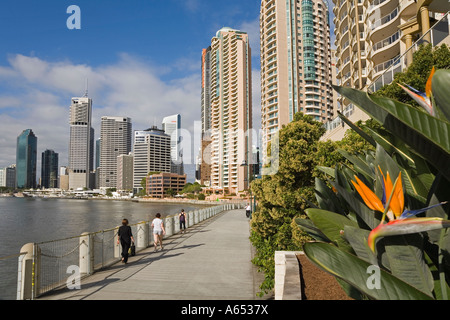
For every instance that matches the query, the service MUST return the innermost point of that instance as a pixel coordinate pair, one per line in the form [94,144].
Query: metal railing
[438,32]
[52,261]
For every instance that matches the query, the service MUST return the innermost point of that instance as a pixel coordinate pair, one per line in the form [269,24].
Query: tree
[417,73]
[281,196]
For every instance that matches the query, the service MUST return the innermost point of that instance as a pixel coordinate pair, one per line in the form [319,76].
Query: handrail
[407,51]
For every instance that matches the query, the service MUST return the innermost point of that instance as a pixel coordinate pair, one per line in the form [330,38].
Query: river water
[25,220]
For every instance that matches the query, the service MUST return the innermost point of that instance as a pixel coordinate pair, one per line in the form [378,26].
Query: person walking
[158,231]
[125,238]
[182,221]
[248,210]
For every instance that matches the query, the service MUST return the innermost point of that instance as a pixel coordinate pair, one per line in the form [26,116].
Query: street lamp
[244,164]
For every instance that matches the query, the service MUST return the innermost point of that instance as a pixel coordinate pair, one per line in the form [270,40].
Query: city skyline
[43,64]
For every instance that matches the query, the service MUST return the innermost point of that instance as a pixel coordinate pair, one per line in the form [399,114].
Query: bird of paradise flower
[392,205]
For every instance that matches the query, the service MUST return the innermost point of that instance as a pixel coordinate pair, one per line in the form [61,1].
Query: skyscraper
[115,135]
[206,89]
[230,110]
[26,159]
[172,127]
[296,70]
[81,145]
[151,154]
[49,169]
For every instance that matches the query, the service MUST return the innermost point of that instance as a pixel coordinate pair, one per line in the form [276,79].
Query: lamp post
[244,164]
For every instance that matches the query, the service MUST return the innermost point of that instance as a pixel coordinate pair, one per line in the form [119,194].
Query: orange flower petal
[368,196]
[398,198]
[429,82]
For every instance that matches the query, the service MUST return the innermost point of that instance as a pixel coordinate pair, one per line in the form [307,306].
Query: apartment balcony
[386,49]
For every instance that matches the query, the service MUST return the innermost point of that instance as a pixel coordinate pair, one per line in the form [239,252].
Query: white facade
[81,146]
[115,135]
[172,127]
[151,151]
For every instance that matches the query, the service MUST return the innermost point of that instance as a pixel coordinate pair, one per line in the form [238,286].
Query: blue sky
[142,59]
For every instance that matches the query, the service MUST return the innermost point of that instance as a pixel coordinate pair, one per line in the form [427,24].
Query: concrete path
[212,261]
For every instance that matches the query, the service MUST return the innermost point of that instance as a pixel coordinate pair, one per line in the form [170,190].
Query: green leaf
[326,170]
[359,164]
[357,129]
[407,262]
[354,271]
[427,135]
[309,227]
[439,87]
[358,240]
[332,225]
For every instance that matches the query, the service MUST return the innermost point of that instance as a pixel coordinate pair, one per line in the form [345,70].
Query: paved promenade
[212,261]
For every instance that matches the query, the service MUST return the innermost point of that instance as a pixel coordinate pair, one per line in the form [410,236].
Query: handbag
[132,250]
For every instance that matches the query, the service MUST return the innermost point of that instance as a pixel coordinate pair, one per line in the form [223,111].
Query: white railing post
[168,223]
[86,253]
[29,270]
[142,235]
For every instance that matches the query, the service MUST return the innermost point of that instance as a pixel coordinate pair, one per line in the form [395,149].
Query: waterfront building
[63,178]
[172,127]
[296,66]
[151,154]
[26,160]
[125,172]
[49,169]
[230,109]
[8,176]
[159,183]
[116,136]
[375,40]
[81,145]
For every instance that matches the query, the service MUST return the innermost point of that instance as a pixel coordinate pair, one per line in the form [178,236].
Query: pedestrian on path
[182,221]
[248,210]
[125,238]
[158,231]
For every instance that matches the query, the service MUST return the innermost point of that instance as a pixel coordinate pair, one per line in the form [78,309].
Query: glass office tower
[26,160]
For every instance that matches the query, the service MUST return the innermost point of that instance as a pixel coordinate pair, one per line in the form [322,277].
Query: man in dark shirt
[125,237]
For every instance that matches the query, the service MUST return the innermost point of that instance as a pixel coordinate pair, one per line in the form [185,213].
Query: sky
[142,59]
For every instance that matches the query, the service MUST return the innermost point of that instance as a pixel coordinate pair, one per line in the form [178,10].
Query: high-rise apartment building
[151,154]
[26,159]
[172,127]
[81,145]
[116,136]
[375,40]
[125,172]
[230,109]
[8,176]
[49,169]
[296,70]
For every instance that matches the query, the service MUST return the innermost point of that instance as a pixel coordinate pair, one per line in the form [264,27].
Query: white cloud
[42,90]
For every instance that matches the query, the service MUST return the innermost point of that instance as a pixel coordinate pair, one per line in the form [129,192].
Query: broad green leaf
[357,238]
[326,198]
[359,164]
[332,225]
[371,218]
[326,170]
[439,87]
[427,135]
[407,262]
[309,227]
[356,272]
[357,129]
[389,146]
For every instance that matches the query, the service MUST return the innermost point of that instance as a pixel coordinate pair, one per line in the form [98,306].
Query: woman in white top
[158,231]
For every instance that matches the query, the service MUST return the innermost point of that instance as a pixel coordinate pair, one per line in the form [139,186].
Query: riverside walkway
[211,261]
